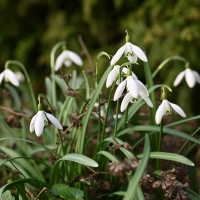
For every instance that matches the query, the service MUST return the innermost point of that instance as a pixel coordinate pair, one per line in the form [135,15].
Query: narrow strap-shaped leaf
[90,107]
[169,156]
[109,156]
[192,195]
[134,182]
[29,141]
[149,82]
[139,194]
[182,121]
[31,181]
[81,159]
[157,129]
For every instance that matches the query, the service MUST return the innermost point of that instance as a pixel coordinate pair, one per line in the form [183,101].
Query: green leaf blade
[134,182]
[169,156]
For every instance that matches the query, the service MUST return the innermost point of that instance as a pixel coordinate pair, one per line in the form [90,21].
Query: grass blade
[169,156]
[134,182]
[149,128]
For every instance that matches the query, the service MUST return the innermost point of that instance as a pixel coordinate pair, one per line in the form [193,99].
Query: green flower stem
[98,100]
[52,61]
[160,136]
[159,144]
[15,62]
[59,132]
[116,119]
[117,107]
[96,83]
[107,110]
[166,61]
[150,84]
[125,119]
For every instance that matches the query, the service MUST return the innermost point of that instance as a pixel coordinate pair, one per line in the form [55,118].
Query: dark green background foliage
[29,30]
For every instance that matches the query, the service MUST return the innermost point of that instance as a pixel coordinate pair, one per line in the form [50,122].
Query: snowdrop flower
[166,108]
[67,58]
[135,89]
[8,75]
[112,76]
[20,76]
[191,77]
[40,120]
[132,52]
[128,98]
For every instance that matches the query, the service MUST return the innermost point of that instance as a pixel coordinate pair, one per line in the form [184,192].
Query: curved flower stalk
[135,89]
[10,76]
[166,108]
[40,120]
[191,77]
[67,58]
[132,52]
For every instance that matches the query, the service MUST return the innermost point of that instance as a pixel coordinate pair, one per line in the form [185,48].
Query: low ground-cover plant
[90,141]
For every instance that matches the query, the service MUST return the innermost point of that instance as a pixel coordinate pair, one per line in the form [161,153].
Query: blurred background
[29,30]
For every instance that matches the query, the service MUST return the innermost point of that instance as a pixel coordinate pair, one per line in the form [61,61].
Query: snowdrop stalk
[52,62]
[15,62]
[98,100]
[166,61]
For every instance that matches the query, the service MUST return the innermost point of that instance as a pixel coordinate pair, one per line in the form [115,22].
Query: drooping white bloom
[112,76]
[67,58]
[166,108]
[132,52]
[191,77]
[135,89]
[20,76]
[40,120]
[8,75]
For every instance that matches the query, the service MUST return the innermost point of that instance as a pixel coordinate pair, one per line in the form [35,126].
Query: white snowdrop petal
[117,55]
[119,90]
[149,102]
[39,123]
[2,76]
[197,76]
[12,77]
[179,78]
[110,78]
[134,76]
[127,98]
[142,89]
[140,54]
[68,63]
[178,109]
[117,68]
[166,106]
[132,87]
[128,49]
[54,121]
[32,124]
[132,58]
[190,79]
[75,58]
[60,60]
[160,113]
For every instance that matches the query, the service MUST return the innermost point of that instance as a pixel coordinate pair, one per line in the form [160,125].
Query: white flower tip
[38,134]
